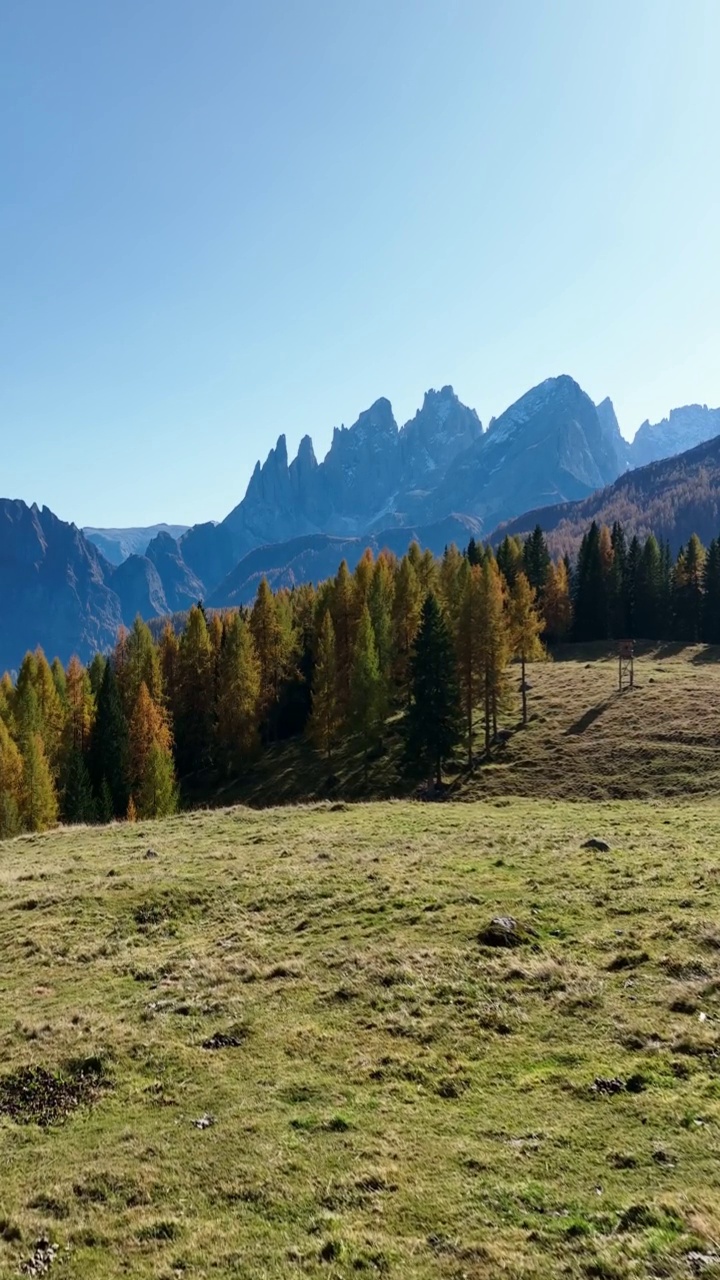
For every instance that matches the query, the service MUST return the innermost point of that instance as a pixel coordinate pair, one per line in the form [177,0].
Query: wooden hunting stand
[626,673]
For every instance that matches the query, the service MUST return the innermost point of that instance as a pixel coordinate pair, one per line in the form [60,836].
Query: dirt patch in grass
[233,1038]
[36,1095]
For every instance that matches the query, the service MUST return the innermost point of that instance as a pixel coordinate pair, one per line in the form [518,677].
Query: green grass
[388,1097]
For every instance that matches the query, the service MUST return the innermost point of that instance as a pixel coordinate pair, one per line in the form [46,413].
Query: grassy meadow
[278,1048]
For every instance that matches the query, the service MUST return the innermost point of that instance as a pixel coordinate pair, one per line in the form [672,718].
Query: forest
[423,641]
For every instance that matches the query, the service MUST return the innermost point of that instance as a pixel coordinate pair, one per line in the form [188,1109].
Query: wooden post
[625,664]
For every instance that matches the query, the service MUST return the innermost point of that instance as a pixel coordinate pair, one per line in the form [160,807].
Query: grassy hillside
[583,741]
[388,1095]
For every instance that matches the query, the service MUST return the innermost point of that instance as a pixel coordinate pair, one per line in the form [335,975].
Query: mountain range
[439,478]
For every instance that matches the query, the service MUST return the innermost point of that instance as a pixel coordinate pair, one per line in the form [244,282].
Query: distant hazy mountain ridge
[117,544]
[682,429]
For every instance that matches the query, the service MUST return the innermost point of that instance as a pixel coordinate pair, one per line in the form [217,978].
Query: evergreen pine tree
[474,552]
[468,644]
[344,621]
[407,607]
[108,757]
[104,807]
[7,698]
[450,584]
[687,591]
[494,643]
[58,675]
[367,693]
[380,603]
[141,665]
[25,706]
[665,596]
[194,695]
[433,722]
[427,572]
[96,671]
[510,558]
[271,626]
[11,784]
[362,581]
[238,697]
[536,560]
[557,603]
[325,717]
[157,797]
[618,586]
[168,653]
[39,806]
[711,594]
[631,589]
[51,711]
[649,593]
[591,612]
[78,801]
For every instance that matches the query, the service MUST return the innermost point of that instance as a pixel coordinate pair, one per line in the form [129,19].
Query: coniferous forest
[426,641]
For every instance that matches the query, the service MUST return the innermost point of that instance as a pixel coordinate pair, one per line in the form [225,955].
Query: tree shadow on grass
[590,717]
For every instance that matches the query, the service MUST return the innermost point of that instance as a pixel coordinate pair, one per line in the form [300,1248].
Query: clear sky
[224,219]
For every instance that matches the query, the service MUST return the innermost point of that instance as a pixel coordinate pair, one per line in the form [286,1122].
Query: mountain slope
[317,556]
[672,498]
[53,586]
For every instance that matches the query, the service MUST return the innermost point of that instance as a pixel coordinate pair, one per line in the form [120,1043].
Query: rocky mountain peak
[685,427]
[305,455]
[441,430]
[611,430]
[375,426]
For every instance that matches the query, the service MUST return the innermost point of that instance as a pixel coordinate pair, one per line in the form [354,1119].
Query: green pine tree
[536,560]
[39,806]
[238,696]
[433,723]
[367,689]
[109,748]
[11,784]
[157,797]
[711,594]
[324,720]
[78,804]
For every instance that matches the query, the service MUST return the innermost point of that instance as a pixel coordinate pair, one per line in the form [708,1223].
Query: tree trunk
[524,691]
[487,716]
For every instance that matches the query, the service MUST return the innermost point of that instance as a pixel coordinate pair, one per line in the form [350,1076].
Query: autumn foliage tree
[524,628]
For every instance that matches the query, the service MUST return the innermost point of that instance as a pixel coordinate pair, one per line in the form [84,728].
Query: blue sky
[224,220]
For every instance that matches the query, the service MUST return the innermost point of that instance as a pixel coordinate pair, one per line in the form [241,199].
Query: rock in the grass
[42,1258]
[608,1086]
[601,846]
[504,931]
[151,854]
[699,1261]
[205,1121]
